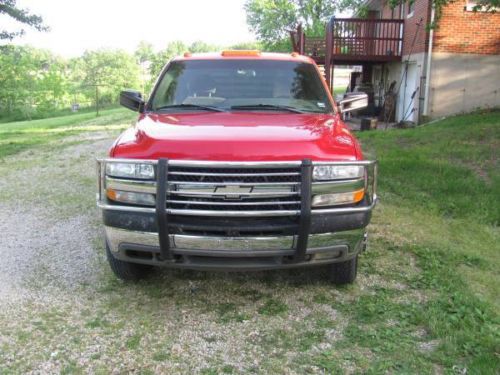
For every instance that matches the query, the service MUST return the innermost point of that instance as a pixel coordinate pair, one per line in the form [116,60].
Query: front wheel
[125,270]
[344,272]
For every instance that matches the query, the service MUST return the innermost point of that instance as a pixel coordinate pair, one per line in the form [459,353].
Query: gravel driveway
[47,241]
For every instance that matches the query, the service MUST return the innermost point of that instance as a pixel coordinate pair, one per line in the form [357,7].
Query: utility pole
[96,100]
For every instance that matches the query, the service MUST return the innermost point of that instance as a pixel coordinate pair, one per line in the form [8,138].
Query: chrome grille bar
[232,183]
[215,203]
[215,194]
[235,174]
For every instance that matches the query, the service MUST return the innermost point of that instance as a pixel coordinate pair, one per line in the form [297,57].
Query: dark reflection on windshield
[236,83]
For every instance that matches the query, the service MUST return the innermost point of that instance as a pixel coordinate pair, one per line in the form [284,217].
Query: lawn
[426,298]
[22,135]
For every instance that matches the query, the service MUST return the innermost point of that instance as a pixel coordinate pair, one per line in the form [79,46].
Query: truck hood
[238,136]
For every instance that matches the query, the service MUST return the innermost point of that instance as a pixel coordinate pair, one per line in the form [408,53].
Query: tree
[246,46]
[200,46]
[109,70]
[272,20]
[159,60]
[144,52]
[33,81]
[8,7]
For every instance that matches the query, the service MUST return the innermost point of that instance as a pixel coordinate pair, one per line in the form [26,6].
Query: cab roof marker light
[294,54]
[229,53]
[187,54]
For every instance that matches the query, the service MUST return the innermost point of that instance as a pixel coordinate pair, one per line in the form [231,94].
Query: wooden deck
[354,41]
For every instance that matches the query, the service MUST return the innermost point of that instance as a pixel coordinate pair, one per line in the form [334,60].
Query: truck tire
[125,270]
[344,272]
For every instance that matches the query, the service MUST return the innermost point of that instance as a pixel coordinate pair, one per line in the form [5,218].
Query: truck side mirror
[353,101]
[132,99]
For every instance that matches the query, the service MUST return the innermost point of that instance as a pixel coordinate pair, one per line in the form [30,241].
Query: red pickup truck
[239,160]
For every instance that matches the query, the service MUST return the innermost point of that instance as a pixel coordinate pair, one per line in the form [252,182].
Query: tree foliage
[31,80]
[35,83]
[144,52]
[271,20]
[9,8]
[111,70]
[177,48]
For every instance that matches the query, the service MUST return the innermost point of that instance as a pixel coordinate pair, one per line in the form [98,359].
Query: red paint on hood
[238,136]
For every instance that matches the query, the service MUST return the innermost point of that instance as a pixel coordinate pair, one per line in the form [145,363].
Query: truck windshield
[241,85]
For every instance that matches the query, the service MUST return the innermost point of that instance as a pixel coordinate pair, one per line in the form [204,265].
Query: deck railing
[352,41]
[360,40]
[355,39]
[367,39]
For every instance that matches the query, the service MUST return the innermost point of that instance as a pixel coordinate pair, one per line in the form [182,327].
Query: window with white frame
[476,6]
[410,8]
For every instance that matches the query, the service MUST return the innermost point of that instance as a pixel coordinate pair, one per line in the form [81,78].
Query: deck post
[301,36]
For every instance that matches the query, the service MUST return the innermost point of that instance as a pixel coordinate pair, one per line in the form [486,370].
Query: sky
[78,25]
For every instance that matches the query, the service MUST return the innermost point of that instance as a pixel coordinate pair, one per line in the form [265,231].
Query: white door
[408,94]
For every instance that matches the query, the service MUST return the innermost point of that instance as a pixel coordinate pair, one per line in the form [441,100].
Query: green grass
[27,135]
[338,90]
[426,299]
[439,190]
[450,169]
[273,307]
[18,117]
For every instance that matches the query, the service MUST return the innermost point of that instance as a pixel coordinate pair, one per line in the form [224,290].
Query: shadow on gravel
[272,278]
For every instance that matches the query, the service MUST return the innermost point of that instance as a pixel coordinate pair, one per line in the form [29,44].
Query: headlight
[338,198]
[337,172]
[131,170]
[143,199]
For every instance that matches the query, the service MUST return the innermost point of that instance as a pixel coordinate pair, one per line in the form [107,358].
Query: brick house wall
[459,30]
[462,31]
[421,11]
[421,15]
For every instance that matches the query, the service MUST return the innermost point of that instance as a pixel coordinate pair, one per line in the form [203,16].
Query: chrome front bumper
[210,252]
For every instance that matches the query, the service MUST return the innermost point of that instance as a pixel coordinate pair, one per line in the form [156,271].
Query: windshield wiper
[268,106]
[193,106]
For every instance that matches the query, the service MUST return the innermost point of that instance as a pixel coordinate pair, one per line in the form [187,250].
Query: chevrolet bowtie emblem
[233,191]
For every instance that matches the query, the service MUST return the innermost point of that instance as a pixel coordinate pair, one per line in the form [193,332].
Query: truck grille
[272,190]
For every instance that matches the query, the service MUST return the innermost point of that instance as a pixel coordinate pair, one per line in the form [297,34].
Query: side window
[475,6]
[170,89]
[410,6]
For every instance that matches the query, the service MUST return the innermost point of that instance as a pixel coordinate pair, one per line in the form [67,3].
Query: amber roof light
[241,52]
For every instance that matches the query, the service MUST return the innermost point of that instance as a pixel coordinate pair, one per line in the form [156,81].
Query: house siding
[463,82]
[465,67]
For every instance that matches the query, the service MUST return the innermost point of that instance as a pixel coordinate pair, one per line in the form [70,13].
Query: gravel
[40,251]
[45,245]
